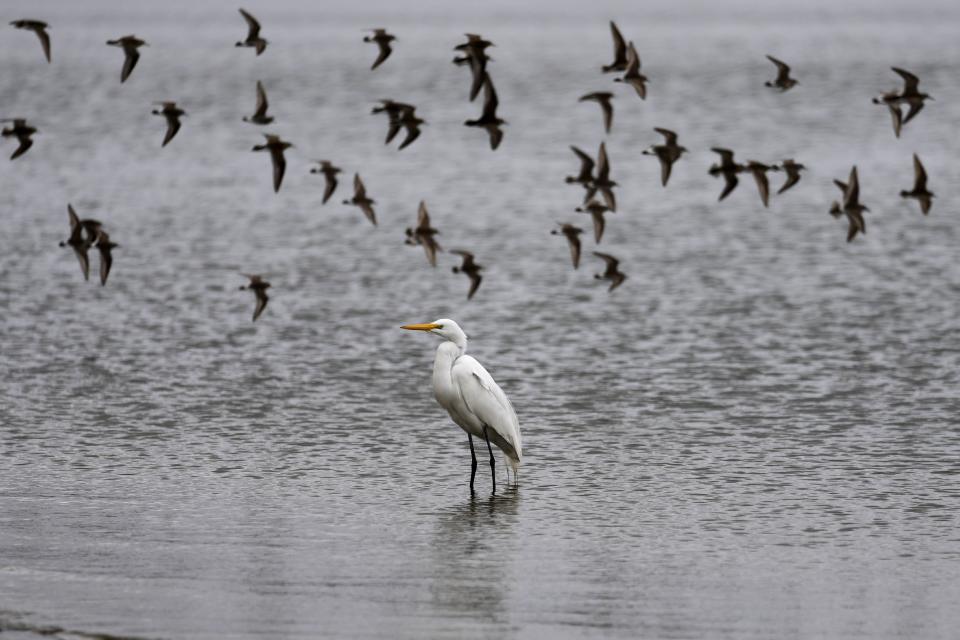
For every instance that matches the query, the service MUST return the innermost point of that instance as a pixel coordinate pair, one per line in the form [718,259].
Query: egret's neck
[447,353]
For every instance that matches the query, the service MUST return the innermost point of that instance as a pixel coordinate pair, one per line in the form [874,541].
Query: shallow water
[754,437]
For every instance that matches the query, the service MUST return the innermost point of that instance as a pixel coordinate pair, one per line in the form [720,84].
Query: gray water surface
[756,436]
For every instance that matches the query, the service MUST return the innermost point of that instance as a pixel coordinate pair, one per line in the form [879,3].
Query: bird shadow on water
[473,552]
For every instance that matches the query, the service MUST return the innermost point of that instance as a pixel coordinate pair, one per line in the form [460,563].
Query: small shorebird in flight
[783,81]
[253,34]
[602,182]
[105,247]
[259,287]
[474,54]
[22,132]
[596,211]
[919,191]
[585,177]
[276,147]
[488,119]
[572,234]
[39,28]
[792,170]
[612,272]
[172,113]
[603,98]
[360,199]
[728,169]
[632,75]
[759,172]
[83,233]
[470,268]
[850,205]
[619,51]
[260,114]
[400,115]
[423,235]
[383,39]
[129,44]
[668,153]
[330,175]
[910,95]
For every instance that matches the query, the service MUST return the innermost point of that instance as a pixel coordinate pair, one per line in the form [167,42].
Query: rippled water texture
[754,437]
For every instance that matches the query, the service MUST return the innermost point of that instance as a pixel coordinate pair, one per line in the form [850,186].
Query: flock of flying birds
[593,177]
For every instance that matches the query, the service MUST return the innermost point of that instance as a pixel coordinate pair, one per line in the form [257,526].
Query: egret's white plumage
[470,395]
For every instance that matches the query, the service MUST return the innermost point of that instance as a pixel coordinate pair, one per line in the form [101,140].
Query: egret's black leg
[493,465]
[473,462]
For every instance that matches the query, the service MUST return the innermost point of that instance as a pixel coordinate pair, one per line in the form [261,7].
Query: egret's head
[444,327]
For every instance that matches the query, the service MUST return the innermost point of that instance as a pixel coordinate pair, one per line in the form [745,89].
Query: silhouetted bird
[919,191]
[259,287]
[129,44]
[668,153]
[383,39]
[471,269]
[276,147]
[260,114]
[330,175]
[612,272]
[22,132]
[572,234]
[39,28]
[488,119]
[172,113]
[783,81]
[253,34]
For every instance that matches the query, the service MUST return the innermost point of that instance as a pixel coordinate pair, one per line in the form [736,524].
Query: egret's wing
[487,401]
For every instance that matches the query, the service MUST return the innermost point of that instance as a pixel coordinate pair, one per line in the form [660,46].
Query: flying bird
[276,147]
[83,233]
[39,28]
[619,51]
[470,268]
[910,95]
[488,119]
[259,287]
[330,175]
[919,191]
[475,402]
[400,115]
[423,235]
[596,211]
[632,75]
[172,113]
[759,172]
[728,169]
[602,182]
[792,170]
[105,247]
[22,132]
[129,44]
[253,34]
[585,177]
[612,272]
[668,153]
[383,39]
[783,81]
[475,55]
[603,98]
[260,114]
[572,234]
[850,205]
[361,200]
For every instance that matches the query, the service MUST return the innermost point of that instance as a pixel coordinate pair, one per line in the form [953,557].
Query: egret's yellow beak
[421,327]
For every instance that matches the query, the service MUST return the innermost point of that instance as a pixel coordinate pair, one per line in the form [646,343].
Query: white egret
[474,401]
